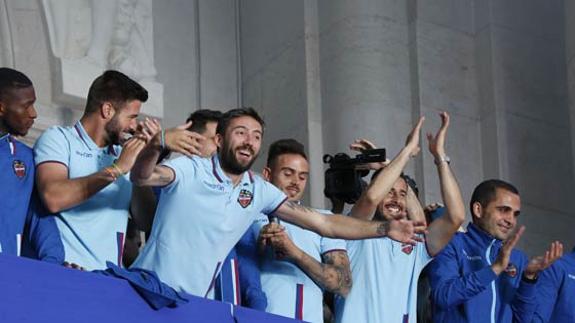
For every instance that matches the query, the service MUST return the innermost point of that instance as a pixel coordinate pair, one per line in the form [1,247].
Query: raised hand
[412,141]
[361,145]
[537,264]
[148,128]
[502,260]
[183,141]
[437,142]
[130,151]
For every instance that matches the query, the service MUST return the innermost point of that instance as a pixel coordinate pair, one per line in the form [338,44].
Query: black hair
[12,79]
[406,178]
[486,192]
[236,113]
[201,117]
[285,146]
[114,87]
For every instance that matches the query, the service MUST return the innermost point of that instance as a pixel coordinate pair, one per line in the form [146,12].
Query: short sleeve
[329,244]
[273,198]
[52,146]
[184,168]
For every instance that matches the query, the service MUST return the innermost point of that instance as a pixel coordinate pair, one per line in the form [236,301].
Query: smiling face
[393,205]
[499,216]
[123,124]
[17,112]
[289,172]
[241,144]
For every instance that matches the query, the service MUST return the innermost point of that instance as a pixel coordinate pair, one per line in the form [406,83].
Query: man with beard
[207,204]
[385,272]
[17,116]
[81,171]
[479,276]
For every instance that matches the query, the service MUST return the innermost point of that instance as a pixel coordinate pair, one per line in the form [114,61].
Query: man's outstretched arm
[345,227]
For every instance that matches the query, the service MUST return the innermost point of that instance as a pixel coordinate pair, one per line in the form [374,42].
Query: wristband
[117,168]
[442,159]
[109,171]
[163,139]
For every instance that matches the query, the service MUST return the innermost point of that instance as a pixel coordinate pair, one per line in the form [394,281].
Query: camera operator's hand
[437,143]
[361,145]
[412,142]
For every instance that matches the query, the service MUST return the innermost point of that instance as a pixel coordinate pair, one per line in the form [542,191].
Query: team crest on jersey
[511,270]
[19,168]
[245,198]
[407,248]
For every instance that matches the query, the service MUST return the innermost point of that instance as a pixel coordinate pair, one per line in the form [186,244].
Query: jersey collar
[248,177]
[8,140]
[88,140]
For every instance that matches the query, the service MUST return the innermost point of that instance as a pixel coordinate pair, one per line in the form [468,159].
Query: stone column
[570,61]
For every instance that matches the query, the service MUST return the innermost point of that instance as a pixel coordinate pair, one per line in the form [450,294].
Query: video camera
[343,178]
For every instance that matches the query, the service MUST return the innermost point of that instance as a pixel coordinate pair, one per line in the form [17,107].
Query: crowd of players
[216,229]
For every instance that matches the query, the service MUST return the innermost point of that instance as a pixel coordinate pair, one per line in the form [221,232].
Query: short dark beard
[113,132]
[230,164]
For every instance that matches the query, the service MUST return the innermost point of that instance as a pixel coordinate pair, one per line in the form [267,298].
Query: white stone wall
[328,71]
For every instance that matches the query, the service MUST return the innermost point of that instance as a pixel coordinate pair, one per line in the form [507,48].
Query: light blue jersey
[92,232]
[290,292]
[200,217]
[385,274]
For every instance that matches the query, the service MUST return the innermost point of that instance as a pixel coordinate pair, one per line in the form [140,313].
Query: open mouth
[125,136]
[245,153]
[393,208]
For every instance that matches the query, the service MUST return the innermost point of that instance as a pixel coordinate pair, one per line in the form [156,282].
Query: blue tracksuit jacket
[465,288]
[556,292]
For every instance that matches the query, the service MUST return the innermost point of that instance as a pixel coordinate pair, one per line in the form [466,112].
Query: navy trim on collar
[112,150]
[214,169]
[222,177]
[88,140]
[84,136]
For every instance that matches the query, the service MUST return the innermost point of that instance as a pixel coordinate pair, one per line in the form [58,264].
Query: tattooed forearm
[383,228]
[337,263]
